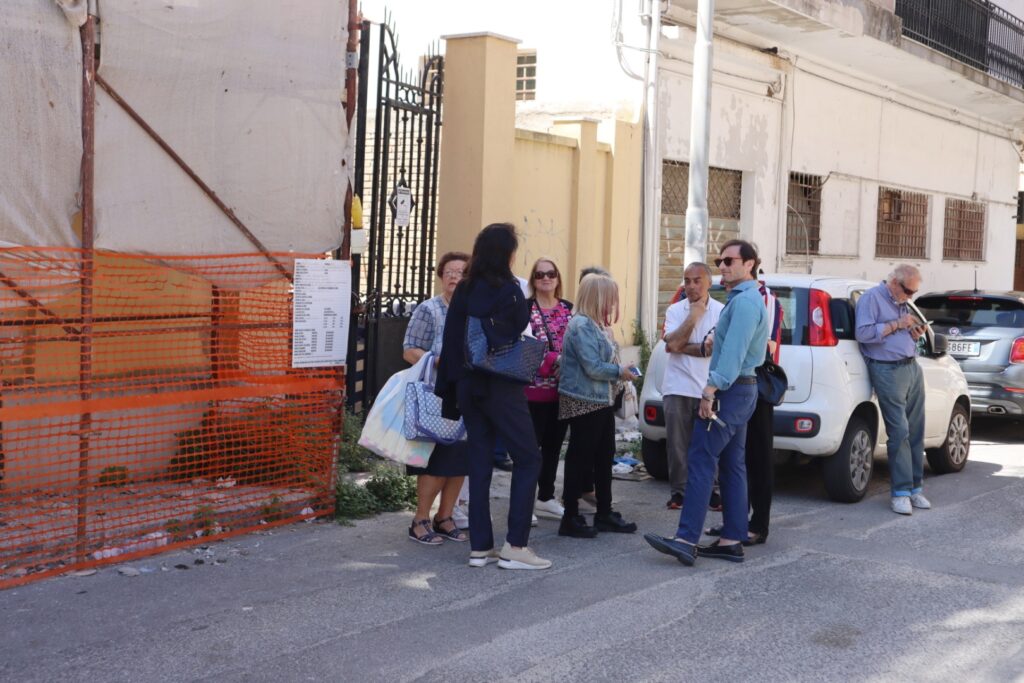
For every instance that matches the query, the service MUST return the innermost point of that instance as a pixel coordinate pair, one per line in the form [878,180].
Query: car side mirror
[939,344]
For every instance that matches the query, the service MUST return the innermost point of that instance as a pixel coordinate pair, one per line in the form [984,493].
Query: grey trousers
[680,412]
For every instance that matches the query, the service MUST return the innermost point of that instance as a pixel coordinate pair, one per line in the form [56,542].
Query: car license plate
[963,348]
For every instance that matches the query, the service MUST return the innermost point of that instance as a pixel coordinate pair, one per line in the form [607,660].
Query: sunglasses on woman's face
[545,274]
[727,261]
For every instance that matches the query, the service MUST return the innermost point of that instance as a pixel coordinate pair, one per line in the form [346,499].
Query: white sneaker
[919,501]
[460,515]
[520,558]
[549,509]
[533,520]
[901,505]
[482,558]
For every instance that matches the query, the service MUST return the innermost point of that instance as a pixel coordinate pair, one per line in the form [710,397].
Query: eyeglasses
[545,274]
[908,292]
[453,273]
[727,261]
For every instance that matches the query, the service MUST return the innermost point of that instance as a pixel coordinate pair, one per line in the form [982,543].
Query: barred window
[803,214]
[963,237]
[526,75]
[902,230]
[724,189]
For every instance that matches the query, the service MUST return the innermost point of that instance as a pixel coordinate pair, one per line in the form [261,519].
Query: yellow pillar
[586,226]
[477,138]
[624,221]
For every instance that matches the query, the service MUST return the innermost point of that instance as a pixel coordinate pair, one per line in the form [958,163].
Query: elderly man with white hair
[888,334]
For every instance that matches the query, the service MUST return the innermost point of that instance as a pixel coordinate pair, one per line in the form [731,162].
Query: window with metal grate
[902,229]
[803,214]
[963,236]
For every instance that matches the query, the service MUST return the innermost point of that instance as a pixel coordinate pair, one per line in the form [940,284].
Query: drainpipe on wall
[649,234]
[700,116]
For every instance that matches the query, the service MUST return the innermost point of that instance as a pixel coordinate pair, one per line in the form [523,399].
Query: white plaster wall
[745,135]
[859,136]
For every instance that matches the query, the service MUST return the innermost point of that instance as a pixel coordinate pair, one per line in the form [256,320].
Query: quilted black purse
[517,361]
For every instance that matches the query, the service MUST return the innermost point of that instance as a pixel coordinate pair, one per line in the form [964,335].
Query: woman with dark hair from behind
[492,406]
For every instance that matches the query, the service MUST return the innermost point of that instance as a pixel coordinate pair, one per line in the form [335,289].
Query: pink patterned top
[542,321]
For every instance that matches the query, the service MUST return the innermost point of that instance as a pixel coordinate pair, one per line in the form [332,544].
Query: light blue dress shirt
[741,337]
[876,308]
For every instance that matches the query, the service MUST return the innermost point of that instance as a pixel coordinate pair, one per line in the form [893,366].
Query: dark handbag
[771,382]
[517,361]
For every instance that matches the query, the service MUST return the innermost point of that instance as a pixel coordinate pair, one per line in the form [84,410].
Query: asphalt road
[840,592]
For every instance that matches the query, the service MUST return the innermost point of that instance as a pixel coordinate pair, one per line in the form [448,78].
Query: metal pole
[88,35]
[651,230]
[700,117]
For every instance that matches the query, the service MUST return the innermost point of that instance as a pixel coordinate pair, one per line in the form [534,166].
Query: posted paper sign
[320,312]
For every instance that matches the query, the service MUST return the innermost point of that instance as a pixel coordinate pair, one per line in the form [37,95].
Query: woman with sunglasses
[448,465]
[549,317]
[587,387]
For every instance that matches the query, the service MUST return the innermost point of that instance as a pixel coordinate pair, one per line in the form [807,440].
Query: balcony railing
[974,32]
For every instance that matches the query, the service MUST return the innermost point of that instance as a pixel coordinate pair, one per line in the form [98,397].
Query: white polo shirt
[688,375]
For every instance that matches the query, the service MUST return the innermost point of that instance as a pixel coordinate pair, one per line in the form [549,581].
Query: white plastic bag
[383,430]
[630,403]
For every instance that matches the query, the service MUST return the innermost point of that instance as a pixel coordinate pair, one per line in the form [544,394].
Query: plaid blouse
[426,326]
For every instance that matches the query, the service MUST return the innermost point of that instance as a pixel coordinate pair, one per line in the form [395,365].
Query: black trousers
[760,460]
[550,433]
[590,453]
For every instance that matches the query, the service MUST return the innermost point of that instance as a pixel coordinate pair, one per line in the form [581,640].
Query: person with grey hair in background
[689,324]
[888,334]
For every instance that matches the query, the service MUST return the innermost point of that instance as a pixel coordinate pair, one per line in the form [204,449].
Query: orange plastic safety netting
[168,414]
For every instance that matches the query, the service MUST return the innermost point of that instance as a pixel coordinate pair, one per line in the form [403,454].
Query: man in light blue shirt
[888,334]
[727,402]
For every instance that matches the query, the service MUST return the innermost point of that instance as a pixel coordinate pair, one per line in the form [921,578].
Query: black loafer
[684,552]
[576,527]
[753,539]
[613,523]
[732,553]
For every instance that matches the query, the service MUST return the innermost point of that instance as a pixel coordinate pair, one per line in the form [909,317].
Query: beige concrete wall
[572,197]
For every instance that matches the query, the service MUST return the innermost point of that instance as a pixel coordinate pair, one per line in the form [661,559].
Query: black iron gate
[399,207]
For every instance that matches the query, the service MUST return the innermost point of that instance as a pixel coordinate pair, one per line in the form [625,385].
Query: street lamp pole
[700,116]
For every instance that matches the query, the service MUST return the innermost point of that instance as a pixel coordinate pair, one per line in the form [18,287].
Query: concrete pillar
[477,137]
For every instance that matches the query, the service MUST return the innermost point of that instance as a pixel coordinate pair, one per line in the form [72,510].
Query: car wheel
[655,457]
[848,470]
[951,456]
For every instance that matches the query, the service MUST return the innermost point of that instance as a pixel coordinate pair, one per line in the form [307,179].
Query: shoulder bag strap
[544,323]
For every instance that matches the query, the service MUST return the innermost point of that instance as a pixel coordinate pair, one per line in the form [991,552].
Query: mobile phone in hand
[636,371]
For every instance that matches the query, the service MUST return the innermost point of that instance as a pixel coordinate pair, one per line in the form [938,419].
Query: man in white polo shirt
[689,326]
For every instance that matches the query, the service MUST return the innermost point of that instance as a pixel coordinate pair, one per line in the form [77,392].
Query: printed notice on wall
[320,312]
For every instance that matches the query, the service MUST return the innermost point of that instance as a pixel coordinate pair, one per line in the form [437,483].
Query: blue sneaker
[681,550]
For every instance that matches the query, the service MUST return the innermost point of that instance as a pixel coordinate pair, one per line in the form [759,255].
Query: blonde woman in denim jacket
[586,388]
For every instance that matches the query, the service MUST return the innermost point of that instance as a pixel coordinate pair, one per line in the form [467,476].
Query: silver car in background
[985,333]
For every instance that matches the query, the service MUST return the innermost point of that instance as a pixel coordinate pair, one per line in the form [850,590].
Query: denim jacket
[588,372]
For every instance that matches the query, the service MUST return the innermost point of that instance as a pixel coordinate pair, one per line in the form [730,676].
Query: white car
[830,410]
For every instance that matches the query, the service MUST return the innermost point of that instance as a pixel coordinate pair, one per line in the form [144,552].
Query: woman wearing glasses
[549,317]
[587,387]
[448,465]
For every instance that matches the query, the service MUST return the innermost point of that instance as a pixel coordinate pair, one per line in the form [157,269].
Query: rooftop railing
[975,32]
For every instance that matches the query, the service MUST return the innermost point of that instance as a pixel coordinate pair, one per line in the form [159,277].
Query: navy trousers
[493,408]
[713,444]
